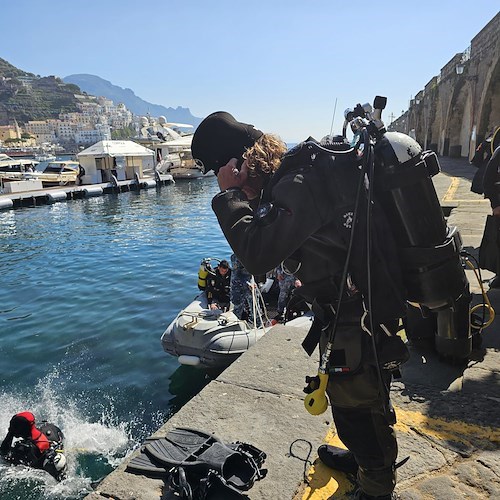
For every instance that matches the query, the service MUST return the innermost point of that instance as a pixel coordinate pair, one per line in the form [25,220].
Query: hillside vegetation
[25,96]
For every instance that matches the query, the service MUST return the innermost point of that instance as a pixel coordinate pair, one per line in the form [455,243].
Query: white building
[121,159]
[92,135]
[42,130]
[66,130]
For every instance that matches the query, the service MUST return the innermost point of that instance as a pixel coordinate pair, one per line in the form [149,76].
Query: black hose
[370,164]
[345,271]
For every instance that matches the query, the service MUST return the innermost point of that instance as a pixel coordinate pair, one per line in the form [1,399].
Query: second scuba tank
[429,249]
[203,272]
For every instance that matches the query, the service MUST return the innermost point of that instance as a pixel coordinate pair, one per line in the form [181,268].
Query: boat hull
[208,339]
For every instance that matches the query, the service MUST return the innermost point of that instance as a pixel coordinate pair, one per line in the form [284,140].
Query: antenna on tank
[333,117]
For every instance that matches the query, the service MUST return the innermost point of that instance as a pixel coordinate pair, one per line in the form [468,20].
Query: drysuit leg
[363,416]
[369,435]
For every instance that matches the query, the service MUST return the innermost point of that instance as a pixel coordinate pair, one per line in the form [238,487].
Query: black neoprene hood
[220,137]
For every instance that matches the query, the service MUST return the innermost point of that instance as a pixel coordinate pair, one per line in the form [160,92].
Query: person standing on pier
[276,208]
[491,186]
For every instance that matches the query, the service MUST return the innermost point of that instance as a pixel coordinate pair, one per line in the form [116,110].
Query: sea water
[87,288]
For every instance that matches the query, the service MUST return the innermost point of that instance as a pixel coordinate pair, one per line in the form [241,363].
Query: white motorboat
[208,338]
[176,159]
[172,149]
[45,157]
[56,173]
[15,169]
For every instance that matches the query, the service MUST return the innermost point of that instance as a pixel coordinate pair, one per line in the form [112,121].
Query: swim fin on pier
[194,461]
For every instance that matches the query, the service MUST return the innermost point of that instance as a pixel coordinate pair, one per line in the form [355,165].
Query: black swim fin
[180,446]
[142,464]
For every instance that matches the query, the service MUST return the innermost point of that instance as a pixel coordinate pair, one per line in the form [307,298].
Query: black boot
[495,282]
[337,458]
[359,495]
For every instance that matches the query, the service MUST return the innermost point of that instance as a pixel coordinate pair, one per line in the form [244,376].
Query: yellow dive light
[316,402]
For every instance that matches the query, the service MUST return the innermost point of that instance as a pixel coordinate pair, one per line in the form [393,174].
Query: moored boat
[172,149]
[207,338]
[56,173]
[213,338]
[177,160]
[45,157]
[14,169]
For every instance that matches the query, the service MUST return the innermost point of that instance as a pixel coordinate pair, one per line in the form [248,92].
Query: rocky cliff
[97,86]
[25,96]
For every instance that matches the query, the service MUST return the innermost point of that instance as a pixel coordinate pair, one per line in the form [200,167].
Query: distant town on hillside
[70,113]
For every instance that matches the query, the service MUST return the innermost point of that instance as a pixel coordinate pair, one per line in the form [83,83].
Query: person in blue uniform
[242,298]
[286,282]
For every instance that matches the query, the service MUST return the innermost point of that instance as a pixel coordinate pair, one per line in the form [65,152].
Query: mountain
[99,87]
[25,96]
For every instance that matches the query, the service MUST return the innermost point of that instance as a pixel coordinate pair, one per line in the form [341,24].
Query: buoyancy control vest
[341,174]
[414,256]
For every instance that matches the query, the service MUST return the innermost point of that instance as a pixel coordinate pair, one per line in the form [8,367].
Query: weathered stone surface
[483,478]
[279,366]
[449,414]
[271,422]
[441,487]
[424,456]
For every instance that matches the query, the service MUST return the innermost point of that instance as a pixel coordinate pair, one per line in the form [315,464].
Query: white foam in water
[102,441]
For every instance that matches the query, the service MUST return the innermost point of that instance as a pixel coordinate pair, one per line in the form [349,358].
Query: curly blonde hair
[265,155]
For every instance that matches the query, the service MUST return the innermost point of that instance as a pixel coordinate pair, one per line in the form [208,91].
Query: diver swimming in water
[37,447]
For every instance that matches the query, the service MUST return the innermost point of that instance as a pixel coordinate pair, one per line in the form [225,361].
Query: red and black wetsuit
[22,425]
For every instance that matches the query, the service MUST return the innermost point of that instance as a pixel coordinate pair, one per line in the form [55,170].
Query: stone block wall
[461,106]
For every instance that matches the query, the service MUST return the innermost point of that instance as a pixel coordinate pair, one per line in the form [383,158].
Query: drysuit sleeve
[491,188]
[6,443]
[263,240]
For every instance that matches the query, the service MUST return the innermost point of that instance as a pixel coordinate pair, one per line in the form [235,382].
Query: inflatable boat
[207,338]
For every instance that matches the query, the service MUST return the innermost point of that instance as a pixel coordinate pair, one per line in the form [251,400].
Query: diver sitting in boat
[218,287]
[40,448]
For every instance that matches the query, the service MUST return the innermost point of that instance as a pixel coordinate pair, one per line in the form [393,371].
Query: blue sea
[87,288]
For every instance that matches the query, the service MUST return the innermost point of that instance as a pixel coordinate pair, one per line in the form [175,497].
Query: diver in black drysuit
[218,286]
[303,217]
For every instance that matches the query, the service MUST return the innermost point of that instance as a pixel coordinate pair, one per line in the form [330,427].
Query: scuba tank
[429,250]
[399,175]
[203,271]
[54,462]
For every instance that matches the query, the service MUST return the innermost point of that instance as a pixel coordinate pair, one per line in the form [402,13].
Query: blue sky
[279,64]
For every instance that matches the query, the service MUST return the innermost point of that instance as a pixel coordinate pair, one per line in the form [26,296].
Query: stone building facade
[459,108]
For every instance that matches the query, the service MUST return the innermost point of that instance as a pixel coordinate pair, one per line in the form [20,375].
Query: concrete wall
[456,111]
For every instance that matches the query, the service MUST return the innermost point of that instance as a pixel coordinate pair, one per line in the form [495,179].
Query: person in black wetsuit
[480,160]
[275,209]
[218,287]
